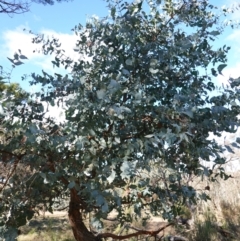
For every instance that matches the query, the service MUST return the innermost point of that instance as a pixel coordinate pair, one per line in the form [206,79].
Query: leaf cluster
[140,106]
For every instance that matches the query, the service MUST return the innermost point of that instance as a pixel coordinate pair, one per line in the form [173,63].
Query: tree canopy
[18,7]
[140,105]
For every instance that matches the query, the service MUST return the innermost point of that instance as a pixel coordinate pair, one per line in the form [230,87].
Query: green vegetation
[139,105]
[13,89]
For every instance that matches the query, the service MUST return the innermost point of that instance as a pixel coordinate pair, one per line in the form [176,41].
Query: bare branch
[14,7]
[10,174]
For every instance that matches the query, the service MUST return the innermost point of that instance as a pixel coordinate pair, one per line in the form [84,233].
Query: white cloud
[16,39]
[234,36]
[37,18]
[229,72]
[234,39]
[233,160]
[234,7]
[56,112]
[233,68]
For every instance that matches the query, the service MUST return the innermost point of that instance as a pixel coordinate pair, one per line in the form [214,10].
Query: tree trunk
[79,229]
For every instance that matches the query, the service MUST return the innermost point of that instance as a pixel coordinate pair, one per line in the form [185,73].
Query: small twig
[10,174]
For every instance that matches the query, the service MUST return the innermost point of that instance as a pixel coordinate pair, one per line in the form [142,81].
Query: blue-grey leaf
[111,178]
[229,149]
[11,60]
[214,33]
[113,86]
[43,175]
[101,94]
[238,140]
[128,168]
[23,57]
[71,185]
[234,144]
[1,110]
[220,68]
[11,234]
[105,207]
[125,72]
[18,63]
[96,223]
[189,113]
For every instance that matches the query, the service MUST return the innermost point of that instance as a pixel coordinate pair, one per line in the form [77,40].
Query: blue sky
[59,19]
[60,16]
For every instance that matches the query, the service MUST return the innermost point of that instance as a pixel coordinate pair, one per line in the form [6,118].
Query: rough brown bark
[80,231]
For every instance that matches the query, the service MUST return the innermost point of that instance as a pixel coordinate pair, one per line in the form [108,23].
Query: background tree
[137,100]
[17,6]
[11,95]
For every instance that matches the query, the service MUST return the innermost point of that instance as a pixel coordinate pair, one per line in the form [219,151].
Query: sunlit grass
[47,229]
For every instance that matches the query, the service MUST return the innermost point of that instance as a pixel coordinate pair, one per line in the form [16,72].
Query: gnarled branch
[139,232]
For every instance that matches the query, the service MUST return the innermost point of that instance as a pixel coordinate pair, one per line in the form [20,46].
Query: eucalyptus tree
[137,100]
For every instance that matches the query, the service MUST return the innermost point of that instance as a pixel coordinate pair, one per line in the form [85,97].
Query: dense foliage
[140,105]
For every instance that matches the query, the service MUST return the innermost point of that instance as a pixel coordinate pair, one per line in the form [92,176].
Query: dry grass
[215,220]
[218,219]
[54,227]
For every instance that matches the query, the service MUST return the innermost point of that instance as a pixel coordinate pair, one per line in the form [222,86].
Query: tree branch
[139,232]
[14,7]
[10,173]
